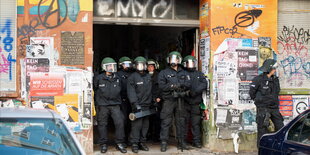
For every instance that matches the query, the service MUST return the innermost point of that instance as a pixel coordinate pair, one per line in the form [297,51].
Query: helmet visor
[110,67]
[127,64]
[140,66]
[174,59]
[190,64]
[274,66]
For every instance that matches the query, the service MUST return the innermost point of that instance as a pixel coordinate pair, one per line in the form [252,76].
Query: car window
[300,131]
[45,136]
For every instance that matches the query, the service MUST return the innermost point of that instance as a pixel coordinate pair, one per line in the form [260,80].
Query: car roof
[27,113]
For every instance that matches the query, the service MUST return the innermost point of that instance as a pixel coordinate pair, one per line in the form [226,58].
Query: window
[300,132]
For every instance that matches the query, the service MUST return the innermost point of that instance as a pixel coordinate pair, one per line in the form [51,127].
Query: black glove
[192,93]
[175,86]
[155,104]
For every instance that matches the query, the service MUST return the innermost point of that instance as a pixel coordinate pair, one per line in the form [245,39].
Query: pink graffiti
[292,48]
[4,64]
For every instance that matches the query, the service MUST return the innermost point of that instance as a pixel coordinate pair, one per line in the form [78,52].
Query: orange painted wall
[230,13]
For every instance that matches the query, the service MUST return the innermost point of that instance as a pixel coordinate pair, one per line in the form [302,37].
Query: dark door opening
[152,42]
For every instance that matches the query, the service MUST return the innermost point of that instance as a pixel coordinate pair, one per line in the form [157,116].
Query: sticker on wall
[301,103]
[41,102]
[40,47]
[244,96]
[234,118]
[220,116]
[286,105]
[249,120]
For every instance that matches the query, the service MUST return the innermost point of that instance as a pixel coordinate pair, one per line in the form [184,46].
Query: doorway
[151,42]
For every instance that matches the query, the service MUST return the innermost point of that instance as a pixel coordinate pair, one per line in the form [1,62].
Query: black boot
[104,148]
[163,146]
[143,147]
[121,148]
[135,148]
[182,145]
[197,144]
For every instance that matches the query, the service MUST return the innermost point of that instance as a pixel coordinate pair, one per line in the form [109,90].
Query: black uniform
[139,87]
[167,80]
[264,91]
[108,100]
[154,129]
[125,106]
[198,85]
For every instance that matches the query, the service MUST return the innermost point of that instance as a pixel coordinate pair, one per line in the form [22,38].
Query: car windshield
[36,136]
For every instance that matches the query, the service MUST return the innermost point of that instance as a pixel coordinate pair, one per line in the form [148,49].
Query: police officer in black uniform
[198,85]
[139,90]
[126,69]
[264,90]
[108,99]
[174,83]
[154,129]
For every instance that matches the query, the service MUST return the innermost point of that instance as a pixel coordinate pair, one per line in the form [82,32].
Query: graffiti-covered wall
[8,76]
[53,58]
[294,44]
[239,36]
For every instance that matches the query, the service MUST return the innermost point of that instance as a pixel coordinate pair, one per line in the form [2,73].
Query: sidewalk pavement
[172,150]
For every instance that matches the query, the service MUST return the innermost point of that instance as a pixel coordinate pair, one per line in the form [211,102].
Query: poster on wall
[286,105]
[72,48]
[244,96]
[68,108]
[205,54]
[301,103]
[46,84]
[221,116]
[41,102]
[264,42]
[234,119]
[86,116]
[74,81]
[247,64]
[249,120]
[228,92]
[35,65]
[226,65]
[40,47]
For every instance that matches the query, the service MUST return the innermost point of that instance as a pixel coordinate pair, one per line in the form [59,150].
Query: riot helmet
[268,65]
[125,62]
[109,65]
[174,58]
[140,63]
[153,62]
[190,62]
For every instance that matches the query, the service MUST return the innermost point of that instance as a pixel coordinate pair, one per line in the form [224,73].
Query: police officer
[154,130]
[108,99]
[198,85]
[264,90]
[126,68]
[139,90]
[174,82]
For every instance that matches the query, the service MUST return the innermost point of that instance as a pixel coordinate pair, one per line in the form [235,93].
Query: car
[36,131]
[293,138]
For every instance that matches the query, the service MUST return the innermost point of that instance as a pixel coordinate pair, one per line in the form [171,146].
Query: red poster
[286,105]
[46,84]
